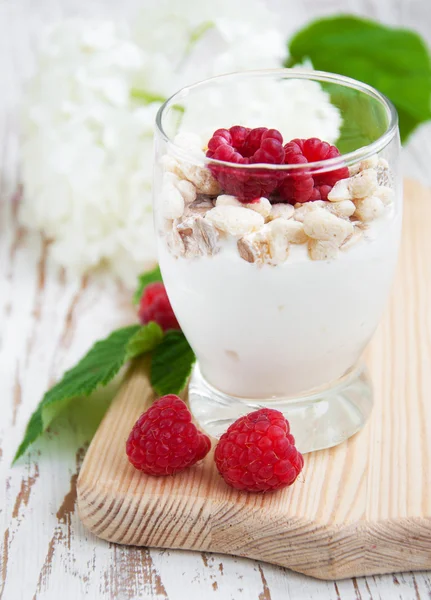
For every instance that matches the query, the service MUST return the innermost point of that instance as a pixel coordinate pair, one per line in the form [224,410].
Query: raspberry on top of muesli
[267,209]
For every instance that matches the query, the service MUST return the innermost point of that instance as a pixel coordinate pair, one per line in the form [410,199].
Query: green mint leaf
[145,339]
[397,62]
[144,280]
[98,367]
[171,364]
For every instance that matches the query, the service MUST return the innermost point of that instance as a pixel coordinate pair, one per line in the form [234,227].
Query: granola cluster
[197,217]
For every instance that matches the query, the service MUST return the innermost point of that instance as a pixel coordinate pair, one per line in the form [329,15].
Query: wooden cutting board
[361,508]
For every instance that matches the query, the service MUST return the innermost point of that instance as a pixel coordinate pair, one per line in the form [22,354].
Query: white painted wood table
[47,321]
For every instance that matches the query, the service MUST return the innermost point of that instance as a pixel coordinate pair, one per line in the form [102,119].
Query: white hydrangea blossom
[297,108]
[228,32]
[89,112]
[87,151]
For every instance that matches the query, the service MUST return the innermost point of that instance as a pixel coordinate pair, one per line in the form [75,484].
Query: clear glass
[279,298]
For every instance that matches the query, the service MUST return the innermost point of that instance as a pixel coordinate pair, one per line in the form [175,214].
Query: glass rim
[349,158]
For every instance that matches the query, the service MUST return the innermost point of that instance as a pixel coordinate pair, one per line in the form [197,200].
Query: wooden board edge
[323,552]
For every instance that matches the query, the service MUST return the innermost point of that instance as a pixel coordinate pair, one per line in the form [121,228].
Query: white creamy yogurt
[262,331]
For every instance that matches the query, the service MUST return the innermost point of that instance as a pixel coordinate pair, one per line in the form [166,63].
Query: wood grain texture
[361,508]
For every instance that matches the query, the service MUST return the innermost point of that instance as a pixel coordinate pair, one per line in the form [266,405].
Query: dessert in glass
[278,247]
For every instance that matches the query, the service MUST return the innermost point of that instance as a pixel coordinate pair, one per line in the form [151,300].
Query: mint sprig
[171,364]
[144,280]
[144,340]
[97,368]
[395,61]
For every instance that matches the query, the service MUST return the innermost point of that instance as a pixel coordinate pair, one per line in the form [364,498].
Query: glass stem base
[321,419]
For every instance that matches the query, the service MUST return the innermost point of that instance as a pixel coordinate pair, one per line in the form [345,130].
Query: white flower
[88,119]
[170,28]
[87,151]
[297,108]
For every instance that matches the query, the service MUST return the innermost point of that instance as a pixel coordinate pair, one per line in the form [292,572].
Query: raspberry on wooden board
[164,441]
[258,454]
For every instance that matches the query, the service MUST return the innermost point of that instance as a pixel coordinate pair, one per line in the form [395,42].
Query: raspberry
[253,141]
[305,186]
[155,306]
[245,146]
[257,453]
[239,135]
[164,441]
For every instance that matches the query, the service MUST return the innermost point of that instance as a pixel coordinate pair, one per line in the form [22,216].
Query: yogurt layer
[261,331]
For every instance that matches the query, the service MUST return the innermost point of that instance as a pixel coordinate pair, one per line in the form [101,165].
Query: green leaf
[198,32]
[394,61]
[77,423]
[145,97]
[145,339]
[364,118]
[171,364]
[98,367]
[144,280]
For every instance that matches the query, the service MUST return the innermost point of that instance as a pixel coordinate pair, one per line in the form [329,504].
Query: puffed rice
[171,165]
[385,194]
[202,178]
[340,191]
[322,249]
[199,175]
[262,206]
[171,177]
[345,208]
[235,220]
[172,201]
[227,200]
[269,245]
[369,163]
[363,184]
[278,244]
[302,210]
[368,209]
[352,239]
[293,231]
[322,225]
[187,190]
[281,211]
[354,169]
[384,174]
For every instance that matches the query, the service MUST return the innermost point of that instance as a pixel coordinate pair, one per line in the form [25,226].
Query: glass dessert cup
[277,292]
